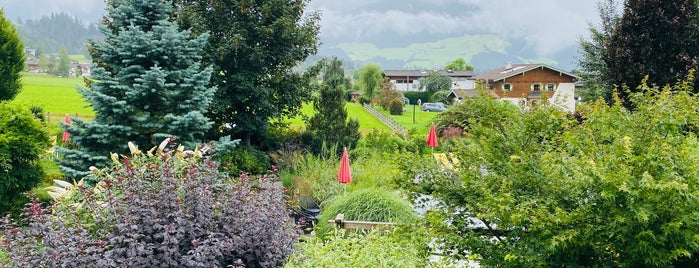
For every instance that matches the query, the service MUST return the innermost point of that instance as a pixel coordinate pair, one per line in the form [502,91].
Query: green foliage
[396,106]
[245,159]
[330,125]
[11,59]
[433,83]
[63,64]
[616,189]
[387,94]
[368,204]
[442,96]
[312,175]
[370,79]
[402,247]
[413,96]
[657,39]
[22,141]
[459,65]
[149,83]
[594,72]
[254,47]
[50,32]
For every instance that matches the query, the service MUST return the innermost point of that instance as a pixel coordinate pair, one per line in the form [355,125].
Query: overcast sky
[548,26]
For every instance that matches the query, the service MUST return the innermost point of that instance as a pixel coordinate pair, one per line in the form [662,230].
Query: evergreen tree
[654,38]
[63,65]
[147,84]
[254,47]
[329,125]
[594,73]
[11,59]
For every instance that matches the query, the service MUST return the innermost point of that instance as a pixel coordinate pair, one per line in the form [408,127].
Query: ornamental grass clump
[170,208]
[369,204]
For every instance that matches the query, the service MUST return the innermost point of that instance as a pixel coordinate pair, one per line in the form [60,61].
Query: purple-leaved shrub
[171,209]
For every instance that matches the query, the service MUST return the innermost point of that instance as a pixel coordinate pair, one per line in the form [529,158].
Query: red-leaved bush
[171,209]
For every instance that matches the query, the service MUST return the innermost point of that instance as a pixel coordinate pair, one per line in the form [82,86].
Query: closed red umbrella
[432,138]
[65,133]
[344,175]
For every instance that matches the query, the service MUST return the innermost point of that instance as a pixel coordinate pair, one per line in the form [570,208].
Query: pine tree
[147,84]
[594,73]
[329,125]
[11,59]
[654,38]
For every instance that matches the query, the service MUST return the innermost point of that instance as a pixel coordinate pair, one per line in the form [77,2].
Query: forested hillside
[49,33]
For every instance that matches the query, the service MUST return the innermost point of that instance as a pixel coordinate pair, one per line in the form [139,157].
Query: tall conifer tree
[330,125]
[11,59]
[148,84]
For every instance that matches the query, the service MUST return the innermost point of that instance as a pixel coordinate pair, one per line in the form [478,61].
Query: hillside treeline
[49,33]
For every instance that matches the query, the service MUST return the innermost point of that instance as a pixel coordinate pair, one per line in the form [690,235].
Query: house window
[536,87]
[550,87]
[507,87]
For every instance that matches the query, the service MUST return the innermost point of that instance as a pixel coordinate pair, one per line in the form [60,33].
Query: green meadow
[57,95]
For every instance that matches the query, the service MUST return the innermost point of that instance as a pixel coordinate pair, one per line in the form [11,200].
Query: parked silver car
[433,107]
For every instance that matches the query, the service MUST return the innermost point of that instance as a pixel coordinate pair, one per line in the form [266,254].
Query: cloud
[547,26]
[87,10]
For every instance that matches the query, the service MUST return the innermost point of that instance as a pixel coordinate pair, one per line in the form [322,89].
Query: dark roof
[511,70]
[423,73]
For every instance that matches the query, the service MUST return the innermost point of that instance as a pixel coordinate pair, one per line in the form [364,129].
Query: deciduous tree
[148,84]
[459,65]
[538,189]
[657,39]
[435,82]
[254,48]
[370,78]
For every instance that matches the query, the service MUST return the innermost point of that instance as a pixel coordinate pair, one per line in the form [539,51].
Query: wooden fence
[56,117]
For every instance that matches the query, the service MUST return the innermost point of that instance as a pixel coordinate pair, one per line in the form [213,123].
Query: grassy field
[367,122]
[60,96]
[422,119]
[53,94]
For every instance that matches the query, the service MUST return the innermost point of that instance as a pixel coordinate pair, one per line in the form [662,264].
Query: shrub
[396,106]
[369,204]
[22,141]
[173,209]
[402,247]
[413,96]
[245,159]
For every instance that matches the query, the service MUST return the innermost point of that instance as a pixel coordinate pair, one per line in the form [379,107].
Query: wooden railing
[55,117]
[392,124]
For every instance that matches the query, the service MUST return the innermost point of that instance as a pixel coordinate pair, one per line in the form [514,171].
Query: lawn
[56,95]
[422,119]
[367,122]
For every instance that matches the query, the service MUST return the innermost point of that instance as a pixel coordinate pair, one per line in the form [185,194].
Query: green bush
[413,96]
[22,141]
[314,176]
[245,159]
[396,106]
[369,204]
[402,247]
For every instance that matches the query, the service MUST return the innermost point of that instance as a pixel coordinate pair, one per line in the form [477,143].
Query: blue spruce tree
[147,84]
